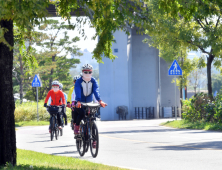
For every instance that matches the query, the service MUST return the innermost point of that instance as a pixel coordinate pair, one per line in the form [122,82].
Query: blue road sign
[175,69]
[36,81]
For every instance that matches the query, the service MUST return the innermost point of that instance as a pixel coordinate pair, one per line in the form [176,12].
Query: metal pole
[160,110]
[175,110]
[37,103]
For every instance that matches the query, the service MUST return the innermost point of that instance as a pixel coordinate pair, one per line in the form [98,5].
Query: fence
[169,112]
[144,112]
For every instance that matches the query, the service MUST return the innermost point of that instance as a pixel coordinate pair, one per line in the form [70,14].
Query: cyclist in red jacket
[56,96]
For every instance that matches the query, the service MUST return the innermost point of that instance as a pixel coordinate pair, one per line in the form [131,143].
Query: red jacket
[56,98]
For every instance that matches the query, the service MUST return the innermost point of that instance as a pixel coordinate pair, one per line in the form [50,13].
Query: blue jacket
[84,92]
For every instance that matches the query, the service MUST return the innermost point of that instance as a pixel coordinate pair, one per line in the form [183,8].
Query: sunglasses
[87,72]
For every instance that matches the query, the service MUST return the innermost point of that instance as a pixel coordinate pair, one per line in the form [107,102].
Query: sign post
[175,70]
[37,83]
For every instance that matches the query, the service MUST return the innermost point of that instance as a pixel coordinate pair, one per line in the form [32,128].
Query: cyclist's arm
[63,98]
[78,90]
[65,95]
[47,97]
[70,94]
[96,90]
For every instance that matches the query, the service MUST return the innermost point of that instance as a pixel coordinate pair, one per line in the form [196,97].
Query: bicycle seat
[91,104]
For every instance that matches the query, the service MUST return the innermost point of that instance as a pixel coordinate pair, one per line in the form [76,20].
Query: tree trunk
[21,79]
[7,104]
[209,82]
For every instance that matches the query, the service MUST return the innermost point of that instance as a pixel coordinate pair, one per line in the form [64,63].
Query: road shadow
[212,145]
[66,152]
[61,146]
[40,141]
[142,131]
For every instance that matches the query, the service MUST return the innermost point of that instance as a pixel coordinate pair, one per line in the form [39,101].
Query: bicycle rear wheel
[94,138]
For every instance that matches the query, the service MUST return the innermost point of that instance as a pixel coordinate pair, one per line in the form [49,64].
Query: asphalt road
[137,144]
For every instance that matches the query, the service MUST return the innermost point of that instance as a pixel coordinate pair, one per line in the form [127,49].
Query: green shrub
[28,111]
[201,107]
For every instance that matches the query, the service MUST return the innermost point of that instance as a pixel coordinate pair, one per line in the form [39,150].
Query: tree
[196,75]
[202,31]
[106,17]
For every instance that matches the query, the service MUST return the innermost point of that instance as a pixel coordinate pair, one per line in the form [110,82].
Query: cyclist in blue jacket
[85,87]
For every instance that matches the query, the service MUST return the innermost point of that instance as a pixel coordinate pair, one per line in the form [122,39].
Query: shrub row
[201,107]
[28,111]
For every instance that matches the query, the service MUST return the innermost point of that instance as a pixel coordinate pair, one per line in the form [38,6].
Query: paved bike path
[137,144]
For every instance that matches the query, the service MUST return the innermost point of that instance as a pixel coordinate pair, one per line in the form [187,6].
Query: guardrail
[144,112]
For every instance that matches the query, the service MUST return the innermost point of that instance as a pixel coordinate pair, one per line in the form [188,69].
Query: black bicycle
[89,135]
[54,127]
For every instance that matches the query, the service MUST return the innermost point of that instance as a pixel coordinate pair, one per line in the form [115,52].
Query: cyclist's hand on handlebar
[78,105]
[68,105]
[102,103]
[45,104]
[73,104]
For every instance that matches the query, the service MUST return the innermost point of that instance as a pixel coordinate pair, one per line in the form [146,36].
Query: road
[137,144]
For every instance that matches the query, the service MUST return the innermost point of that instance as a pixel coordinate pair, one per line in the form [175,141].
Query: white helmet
[60,86]
[87,67]
[55,83]
[75,78]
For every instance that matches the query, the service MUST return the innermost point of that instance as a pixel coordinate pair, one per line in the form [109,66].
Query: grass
[40,161]
[31,123]
[183,124]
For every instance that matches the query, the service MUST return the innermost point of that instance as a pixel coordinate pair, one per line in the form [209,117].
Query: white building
[133,78]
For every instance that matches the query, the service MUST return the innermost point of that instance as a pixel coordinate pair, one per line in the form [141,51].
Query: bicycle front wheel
[52,127]
[94,140]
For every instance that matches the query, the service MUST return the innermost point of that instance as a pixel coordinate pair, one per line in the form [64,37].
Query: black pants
[74,115]
[79,116]
[52,110]
[64,114]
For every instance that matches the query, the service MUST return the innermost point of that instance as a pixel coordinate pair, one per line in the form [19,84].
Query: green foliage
[31,123]
[201,32]
[28,112]
[30,160]
[184,124]
[201,107]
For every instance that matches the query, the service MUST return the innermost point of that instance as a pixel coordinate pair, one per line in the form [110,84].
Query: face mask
[55,89]
[87,77]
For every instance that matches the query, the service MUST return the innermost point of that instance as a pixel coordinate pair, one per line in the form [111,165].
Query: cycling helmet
[87,67]
[55,83]
[75,78]
[60,86]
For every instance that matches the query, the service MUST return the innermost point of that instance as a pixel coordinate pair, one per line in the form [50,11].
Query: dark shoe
[76,130]
[94,144]
[66,122]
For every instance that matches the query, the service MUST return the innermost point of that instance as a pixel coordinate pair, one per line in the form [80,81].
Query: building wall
[114,78]
[144,73]
[132,79]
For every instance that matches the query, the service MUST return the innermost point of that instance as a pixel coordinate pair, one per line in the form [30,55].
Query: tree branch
[217,21]
[206,21]
[201,48]
[200,23]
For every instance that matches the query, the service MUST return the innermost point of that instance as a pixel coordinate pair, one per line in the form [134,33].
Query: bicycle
[88,131]
[54,122]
